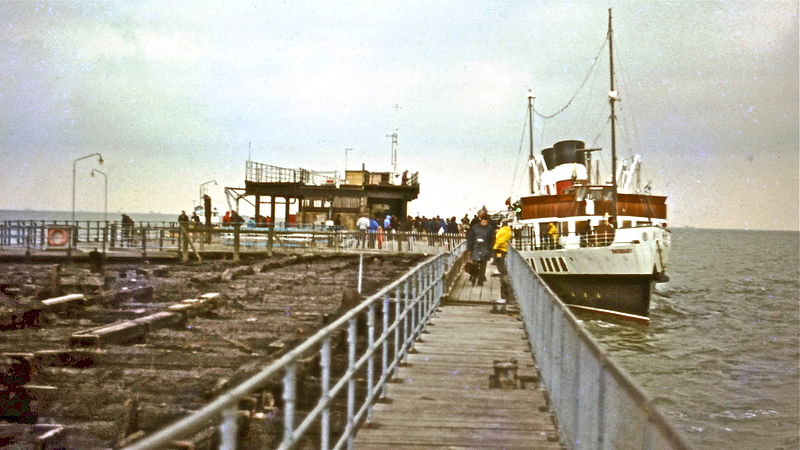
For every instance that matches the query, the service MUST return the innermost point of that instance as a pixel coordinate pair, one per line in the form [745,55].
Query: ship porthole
[644,236]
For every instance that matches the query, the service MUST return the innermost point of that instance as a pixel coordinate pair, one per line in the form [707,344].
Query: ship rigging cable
[583,83]
[521,143]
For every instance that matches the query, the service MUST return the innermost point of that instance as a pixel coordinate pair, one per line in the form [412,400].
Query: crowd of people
[419,224]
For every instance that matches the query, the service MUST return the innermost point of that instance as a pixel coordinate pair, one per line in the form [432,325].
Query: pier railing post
[105,236]
[236,242]
[397,311]
[406,317]
[183,240]
[28,232]
[325,382]
[351,382]
[143,232]
[385,345]
[271,237]
[371,360]
[289,398]
[70,231]
[228,428]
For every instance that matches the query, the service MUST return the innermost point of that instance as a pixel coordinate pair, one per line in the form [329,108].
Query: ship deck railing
[528,238]
[572,240]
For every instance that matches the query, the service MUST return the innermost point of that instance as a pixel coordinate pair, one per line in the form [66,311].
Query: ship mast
[530,127]
[612,97]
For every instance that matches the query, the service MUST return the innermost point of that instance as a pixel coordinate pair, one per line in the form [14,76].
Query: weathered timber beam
[125,332]
[64,300]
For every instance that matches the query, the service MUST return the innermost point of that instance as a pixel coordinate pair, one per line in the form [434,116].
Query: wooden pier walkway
[443,398]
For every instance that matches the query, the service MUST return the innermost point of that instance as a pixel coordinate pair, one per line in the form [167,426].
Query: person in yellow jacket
[552,232]
[501,238]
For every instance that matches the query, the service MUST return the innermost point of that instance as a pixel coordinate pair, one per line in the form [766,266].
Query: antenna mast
[394,139]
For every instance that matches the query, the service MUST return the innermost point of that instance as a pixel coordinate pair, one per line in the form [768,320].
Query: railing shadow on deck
[598,405]
[405,305]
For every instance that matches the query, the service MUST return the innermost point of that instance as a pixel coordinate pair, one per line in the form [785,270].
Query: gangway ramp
[442,397]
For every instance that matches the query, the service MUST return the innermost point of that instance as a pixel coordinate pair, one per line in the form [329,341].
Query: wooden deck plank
[443,398]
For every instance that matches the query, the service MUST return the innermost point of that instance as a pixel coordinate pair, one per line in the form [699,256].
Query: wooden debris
[276,346]
[42,392]
[140,293]
[206,278]
[29,435]
[64,303]
[195,306]
[64,299]
[240,345]
[55,281]
[236,272]
[131,439]
[125,332]
[128,422]
[64,358]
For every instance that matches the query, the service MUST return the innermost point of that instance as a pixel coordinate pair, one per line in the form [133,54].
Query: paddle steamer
[600,246]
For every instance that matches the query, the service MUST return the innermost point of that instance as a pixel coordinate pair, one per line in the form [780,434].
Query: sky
[176,94]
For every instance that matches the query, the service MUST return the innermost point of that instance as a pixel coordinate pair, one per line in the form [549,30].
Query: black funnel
[549,156]
[566,152]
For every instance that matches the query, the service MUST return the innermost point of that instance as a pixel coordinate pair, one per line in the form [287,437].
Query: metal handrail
[597,403]
[266,173]
[148,237]
[417,294]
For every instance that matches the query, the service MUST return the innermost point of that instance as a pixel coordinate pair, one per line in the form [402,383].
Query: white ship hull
[615,278]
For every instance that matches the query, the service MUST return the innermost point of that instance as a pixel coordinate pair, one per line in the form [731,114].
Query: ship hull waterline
[622,296]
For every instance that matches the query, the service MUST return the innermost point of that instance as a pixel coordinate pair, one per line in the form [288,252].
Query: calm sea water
[722,353]
[85,215]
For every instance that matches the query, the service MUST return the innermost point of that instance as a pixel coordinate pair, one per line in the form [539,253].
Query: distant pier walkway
[442,398]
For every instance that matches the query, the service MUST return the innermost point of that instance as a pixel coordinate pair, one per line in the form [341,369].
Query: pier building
[324,195]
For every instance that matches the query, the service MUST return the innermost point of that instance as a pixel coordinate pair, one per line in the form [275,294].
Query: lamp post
[74,162]
[105,201]
[202,191]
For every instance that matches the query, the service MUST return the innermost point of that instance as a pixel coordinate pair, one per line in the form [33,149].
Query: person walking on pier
[183,218]
[363,226]
[127,230]
[374,224]
[501,239]
[480,241]
[196,224]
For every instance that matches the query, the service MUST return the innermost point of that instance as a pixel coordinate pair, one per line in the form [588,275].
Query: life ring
[57,237]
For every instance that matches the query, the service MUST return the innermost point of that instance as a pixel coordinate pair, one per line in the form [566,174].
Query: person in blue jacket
[373,228]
